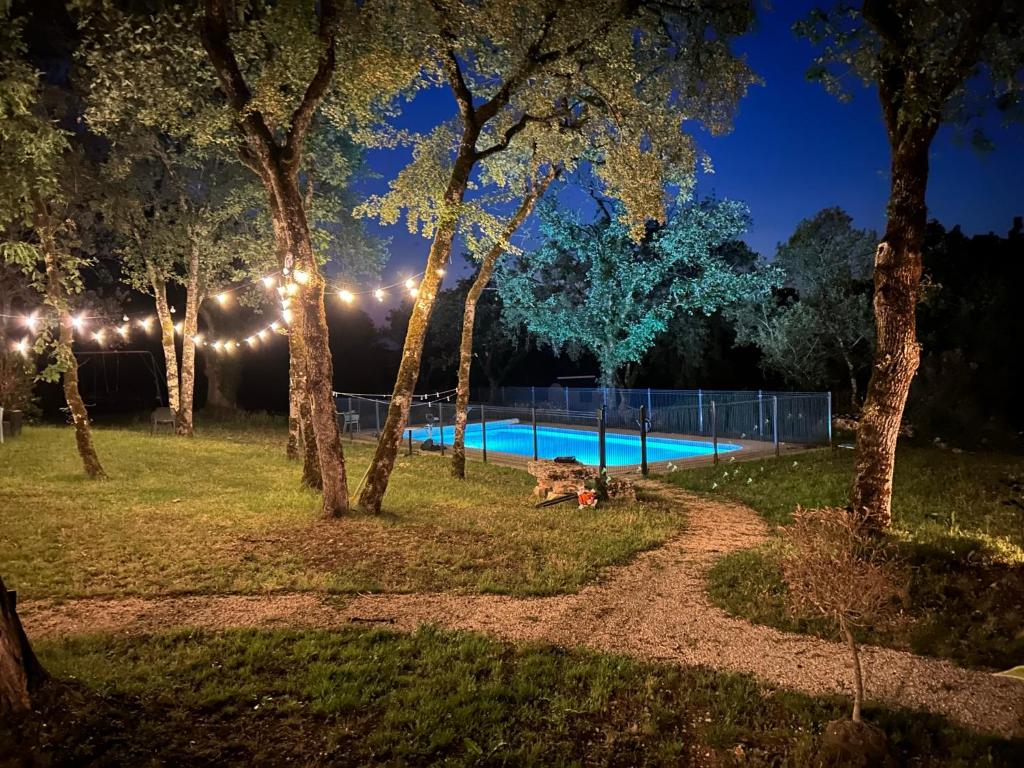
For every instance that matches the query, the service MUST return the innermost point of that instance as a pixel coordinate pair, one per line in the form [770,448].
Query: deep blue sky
[794,149]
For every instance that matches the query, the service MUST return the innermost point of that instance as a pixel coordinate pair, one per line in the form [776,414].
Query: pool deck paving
[653,608]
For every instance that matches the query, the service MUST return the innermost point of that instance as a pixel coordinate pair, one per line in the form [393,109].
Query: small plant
[837,567]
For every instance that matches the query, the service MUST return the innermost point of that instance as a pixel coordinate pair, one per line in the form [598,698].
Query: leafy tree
[553,84]
[824,318]
[591,287]
[254,82]
[932,61]
[42,179]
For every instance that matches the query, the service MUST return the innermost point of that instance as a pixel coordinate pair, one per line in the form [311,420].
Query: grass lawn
[359,696]
[959,523]
[224,512]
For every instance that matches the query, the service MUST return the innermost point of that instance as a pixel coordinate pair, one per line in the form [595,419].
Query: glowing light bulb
[216,344]
[230,345]
[123,331]
[275,325]
[287,316]
[262,334]
[286,302]
[346,296]
[300,277]
[250,340]
[78,322]
[414,292]
[197,339]
[268,281]
[124,318]
[281,290]
[146,323]
[178,327]
[292,289]
[22,346]
[173,310]
[98,336]
[222,299]
[410,283]
[31,321]
[440,272]
[378,295]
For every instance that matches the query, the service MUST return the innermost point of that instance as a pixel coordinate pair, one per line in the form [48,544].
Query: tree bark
[294,427]
[858,672]
[190,328]
[375,483]
[68,362]
[483,277]
[298,397]
[21,674]
[222,370]
[898,268]
[166,322]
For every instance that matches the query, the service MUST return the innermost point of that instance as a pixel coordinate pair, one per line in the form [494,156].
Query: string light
[173,310]
[378,295]
[410,283]
[414,292]
[31,321]
[145,323]
[300,277]
[78,322]
[286,315]
[346,296]
[98,336]
[123,331]
[216,344]
[268,281]
[22,346]
[275,325]
[178,328]
[222,299]
[440,272]
[197,339]
[250,340]
[292,289]
[124,318]
[262,335]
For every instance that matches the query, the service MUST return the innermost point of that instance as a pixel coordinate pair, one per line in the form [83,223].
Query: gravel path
[653,608]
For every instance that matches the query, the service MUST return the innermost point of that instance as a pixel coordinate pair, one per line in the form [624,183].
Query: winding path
[653,608]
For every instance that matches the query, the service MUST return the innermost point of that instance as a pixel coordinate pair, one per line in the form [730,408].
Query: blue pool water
[620,450]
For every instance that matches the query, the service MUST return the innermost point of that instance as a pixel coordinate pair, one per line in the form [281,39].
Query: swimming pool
[620,449]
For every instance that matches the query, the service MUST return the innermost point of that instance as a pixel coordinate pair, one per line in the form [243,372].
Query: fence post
[828,400]
[533,415]
[649,407]
[566,390]
[714,430]
[775,423]
[533,396]
[700,411]
[483,430]
[410,441]
[643,439]
[760,413]
[602,456]
[440,425]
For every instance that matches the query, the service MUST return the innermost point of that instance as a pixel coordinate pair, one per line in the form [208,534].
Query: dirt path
[653,608]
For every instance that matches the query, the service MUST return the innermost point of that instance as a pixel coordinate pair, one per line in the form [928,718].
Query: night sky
[794,150]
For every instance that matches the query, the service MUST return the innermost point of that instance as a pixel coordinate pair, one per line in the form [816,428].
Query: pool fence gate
[606,426]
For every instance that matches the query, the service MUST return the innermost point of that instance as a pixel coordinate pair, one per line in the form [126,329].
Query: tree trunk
[79,414]
[898,267]
[222,371]
[294,427]
[190,327]
[69,363]
[21,674]
[310,326]
[483,277]
[166,321]
[858,672]
[375,483]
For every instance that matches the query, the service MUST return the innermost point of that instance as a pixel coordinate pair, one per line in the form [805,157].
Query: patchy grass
[958,522]
[224,512]
[358,697]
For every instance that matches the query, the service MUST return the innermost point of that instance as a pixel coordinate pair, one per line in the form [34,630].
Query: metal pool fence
[608,427]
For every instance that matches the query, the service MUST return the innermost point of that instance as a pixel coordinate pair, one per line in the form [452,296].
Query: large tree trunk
[190,327]
[166,322]
[375,483]
[68,363]
[483,277]
[898,266]
[310,326]
[223,370]
[21,674]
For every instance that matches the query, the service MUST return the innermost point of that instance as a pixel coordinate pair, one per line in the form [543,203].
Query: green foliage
[825,319]
[592,287]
